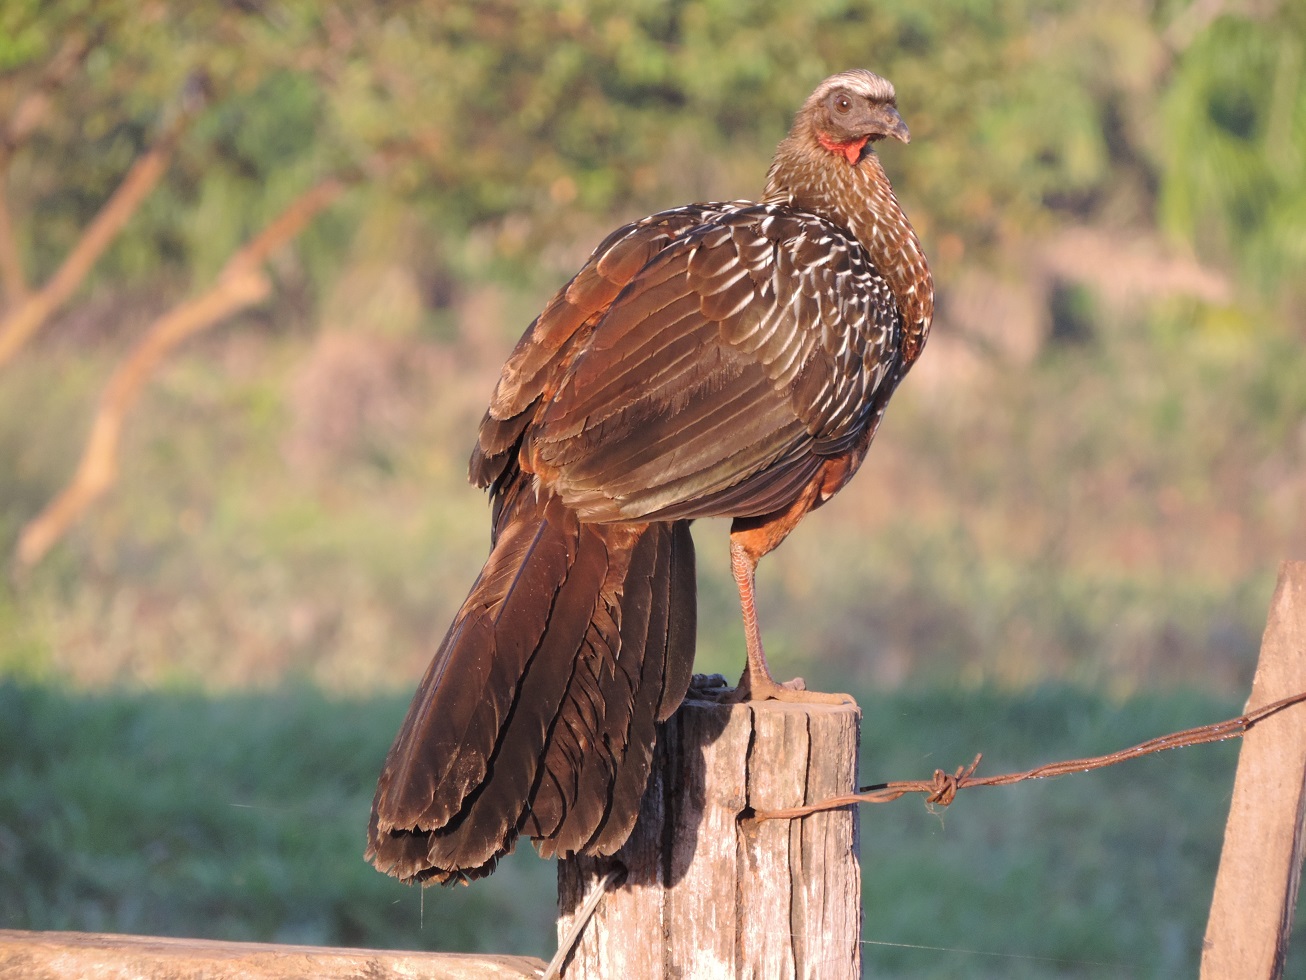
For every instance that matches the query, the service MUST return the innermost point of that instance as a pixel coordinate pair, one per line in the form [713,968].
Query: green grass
[239,817]
[242,817]
[1104,874]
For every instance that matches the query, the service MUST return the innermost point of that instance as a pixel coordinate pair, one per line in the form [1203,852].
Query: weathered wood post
[1260,866]
[709,892]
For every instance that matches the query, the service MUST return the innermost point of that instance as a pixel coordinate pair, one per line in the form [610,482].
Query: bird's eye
[843,103]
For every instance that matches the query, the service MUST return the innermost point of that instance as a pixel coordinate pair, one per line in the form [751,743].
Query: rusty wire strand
[942,788]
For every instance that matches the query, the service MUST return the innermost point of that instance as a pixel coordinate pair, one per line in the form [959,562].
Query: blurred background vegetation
[1074,510]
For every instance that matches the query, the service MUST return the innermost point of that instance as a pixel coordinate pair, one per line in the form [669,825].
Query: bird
[729,359]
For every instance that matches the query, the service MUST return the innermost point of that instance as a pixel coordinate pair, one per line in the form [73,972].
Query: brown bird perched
[715,360]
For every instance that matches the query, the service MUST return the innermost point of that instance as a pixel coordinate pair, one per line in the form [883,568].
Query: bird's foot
[766,688]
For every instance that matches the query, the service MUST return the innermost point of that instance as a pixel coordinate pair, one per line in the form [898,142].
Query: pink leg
[757,684]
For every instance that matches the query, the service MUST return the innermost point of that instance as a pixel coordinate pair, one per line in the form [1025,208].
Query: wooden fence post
[708,892]
[1260,866]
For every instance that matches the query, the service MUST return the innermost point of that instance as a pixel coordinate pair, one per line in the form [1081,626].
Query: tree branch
[12,278]
[240,284]
[35,105]
[27,116]
[28,317]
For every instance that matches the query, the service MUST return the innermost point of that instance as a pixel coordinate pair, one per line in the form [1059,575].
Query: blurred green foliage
[1234,156]
[527,117]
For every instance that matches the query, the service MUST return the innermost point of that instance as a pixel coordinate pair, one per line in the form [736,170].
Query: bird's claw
[763,688]
[707,687]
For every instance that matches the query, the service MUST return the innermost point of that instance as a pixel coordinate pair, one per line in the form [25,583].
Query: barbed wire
[942,788]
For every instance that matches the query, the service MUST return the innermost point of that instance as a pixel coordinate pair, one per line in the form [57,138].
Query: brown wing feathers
[685,395]
[565,324]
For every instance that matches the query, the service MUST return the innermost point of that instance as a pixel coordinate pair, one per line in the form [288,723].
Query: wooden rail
[99,956]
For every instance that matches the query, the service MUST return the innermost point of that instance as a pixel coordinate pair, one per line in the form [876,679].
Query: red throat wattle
[851,149]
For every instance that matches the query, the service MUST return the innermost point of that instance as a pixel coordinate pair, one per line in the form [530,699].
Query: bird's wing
[746,352]
[535,367]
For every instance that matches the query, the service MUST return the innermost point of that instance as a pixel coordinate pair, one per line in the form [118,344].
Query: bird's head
[849,110]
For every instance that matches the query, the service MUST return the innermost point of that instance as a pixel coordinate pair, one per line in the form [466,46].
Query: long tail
[537,712]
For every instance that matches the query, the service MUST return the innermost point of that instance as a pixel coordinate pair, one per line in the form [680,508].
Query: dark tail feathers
[536,715]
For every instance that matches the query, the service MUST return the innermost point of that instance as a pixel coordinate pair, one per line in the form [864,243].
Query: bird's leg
[757,684]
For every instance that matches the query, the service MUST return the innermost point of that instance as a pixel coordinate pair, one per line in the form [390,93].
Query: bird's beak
[891,124]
